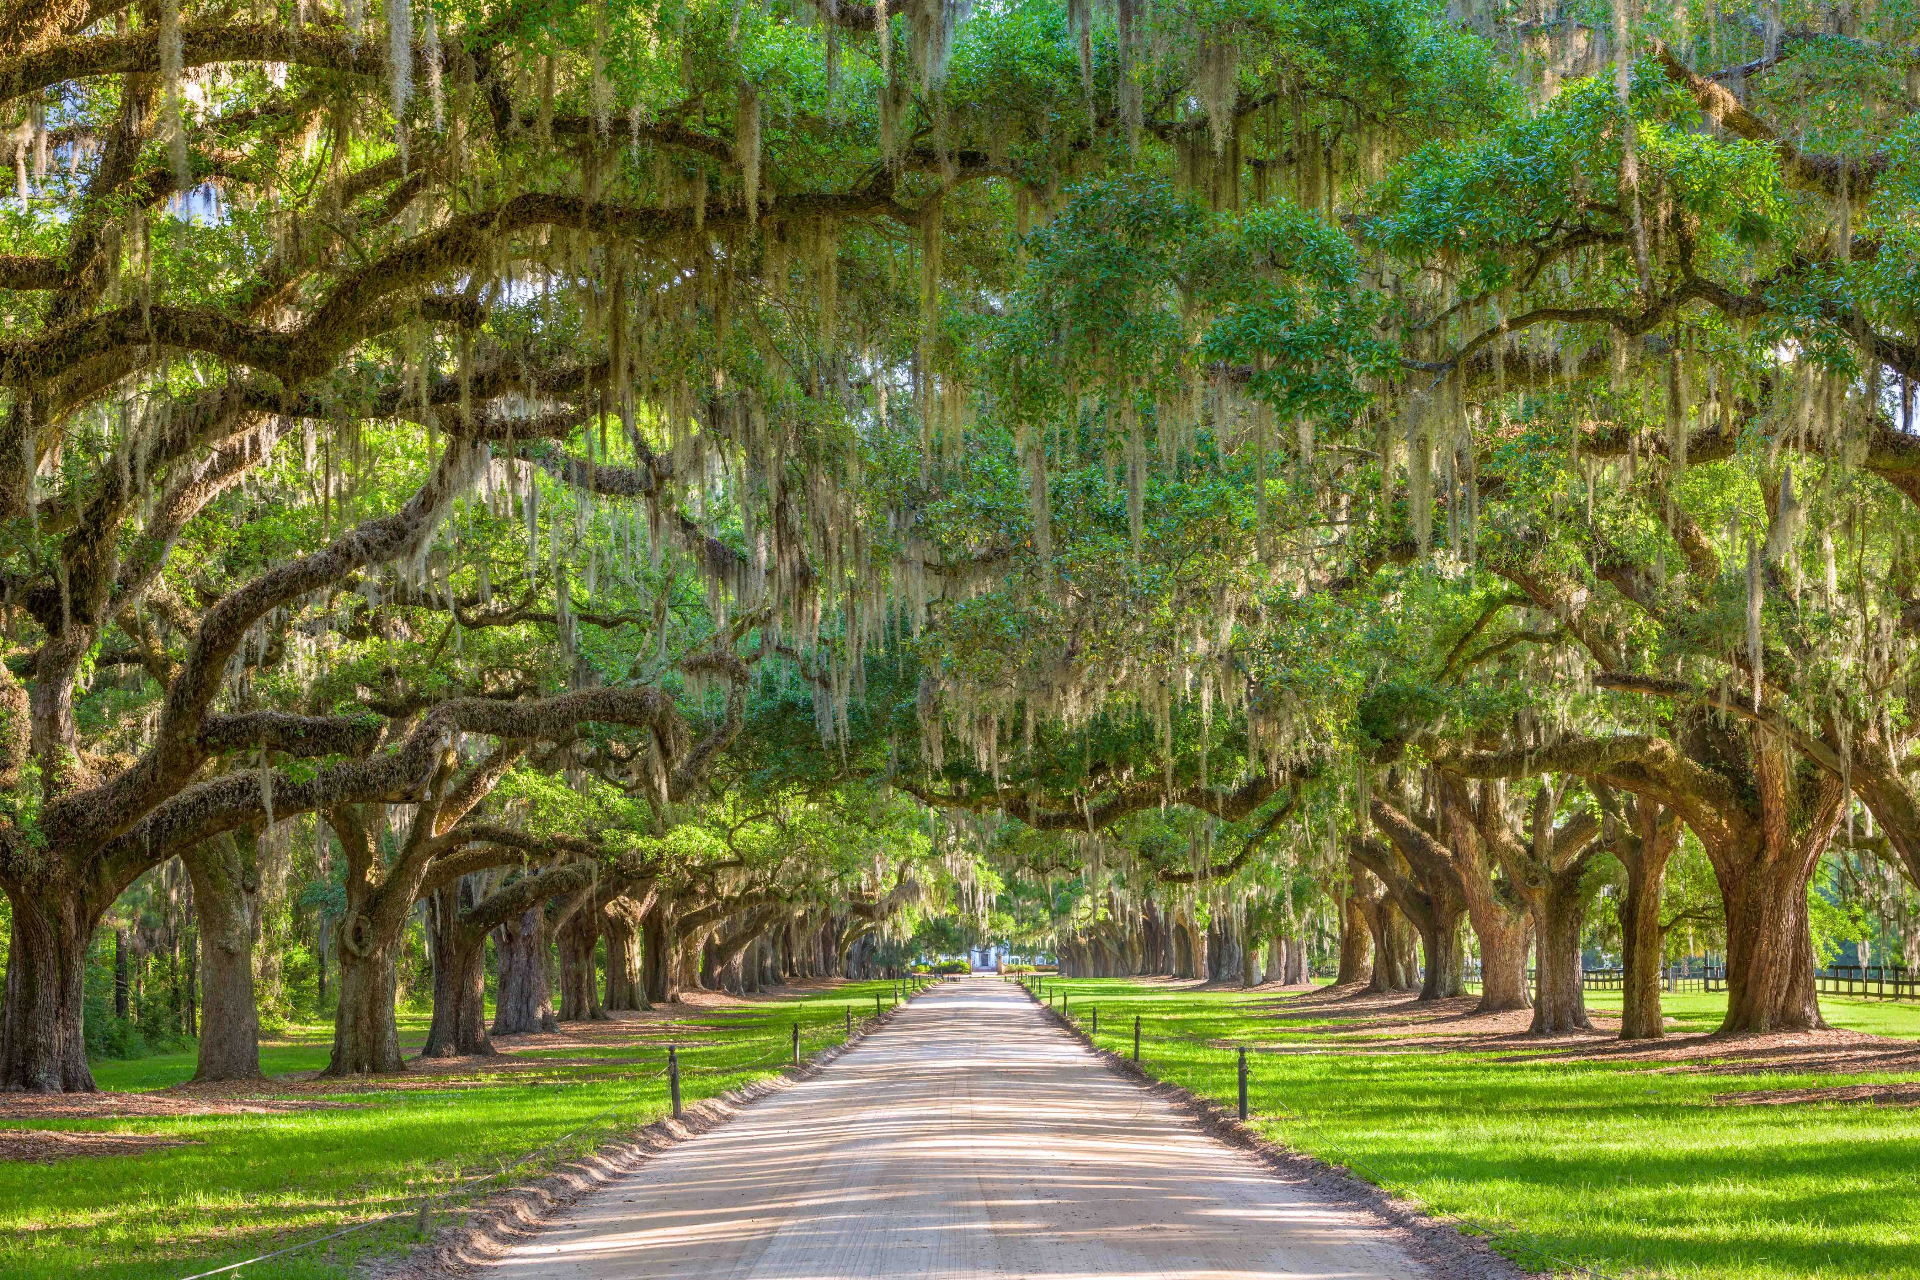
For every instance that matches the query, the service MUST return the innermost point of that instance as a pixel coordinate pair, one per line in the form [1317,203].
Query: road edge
[1438,1244]
[514,1215]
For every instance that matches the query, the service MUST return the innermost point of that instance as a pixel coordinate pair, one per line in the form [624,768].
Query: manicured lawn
[248,1184]
[1630,1168]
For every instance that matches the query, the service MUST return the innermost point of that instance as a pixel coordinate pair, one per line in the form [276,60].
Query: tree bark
[43,1047]
[523,1001]
[659,945]
[226,887]
[1770,983]
[1560,1001]
[1297,974]
[1403,945]
[366,1040]
[459,1027]
[1356,944]
[1249,965]
[1506,940]
[686,962]
[1763,867]
[579,989]
[1223,949]
[625,991]
[1446,963]
[1498,912]
[1425,884]
[1395,967]
[1644,854]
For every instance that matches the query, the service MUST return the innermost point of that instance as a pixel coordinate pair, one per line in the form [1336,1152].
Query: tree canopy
[1146,478]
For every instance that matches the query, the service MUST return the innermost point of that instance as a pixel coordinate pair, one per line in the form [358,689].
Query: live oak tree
[461,281]
[1189,433]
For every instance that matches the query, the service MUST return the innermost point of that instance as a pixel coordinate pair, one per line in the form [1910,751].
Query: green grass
[249,1184]
[1621,1167]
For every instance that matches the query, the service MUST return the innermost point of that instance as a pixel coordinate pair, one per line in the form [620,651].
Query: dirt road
[970,1138]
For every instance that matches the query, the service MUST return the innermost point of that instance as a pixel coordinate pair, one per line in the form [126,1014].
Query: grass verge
[1630,1167]
[243,1184]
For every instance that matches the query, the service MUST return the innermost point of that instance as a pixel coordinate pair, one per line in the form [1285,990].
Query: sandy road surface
[968,1139]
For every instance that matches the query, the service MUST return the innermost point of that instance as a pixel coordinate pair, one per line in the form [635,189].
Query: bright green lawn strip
[1613,1165]
[255,1182]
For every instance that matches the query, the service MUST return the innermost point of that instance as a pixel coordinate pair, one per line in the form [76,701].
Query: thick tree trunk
[366,1040]
[767,957]
[625,993]
[1406,952]
[226,899]
[1770,983]
[1223,950]
[1642,948]
[1446,962]
[523,1002]
[1249,966]
[660,943]
[1276,958]
[459,1027]
[1153,947]
[460,1005]
[1559,1002]
[1506,938]
[579,988]
[43,1047]
[686,962]
[1297,960]
[1644,849]
[1356,945]
[1377,913]
[1395,965]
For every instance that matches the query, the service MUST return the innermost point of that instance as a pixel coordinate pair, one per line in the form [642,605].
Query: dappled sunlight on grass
[1625,1164]
[248,1183]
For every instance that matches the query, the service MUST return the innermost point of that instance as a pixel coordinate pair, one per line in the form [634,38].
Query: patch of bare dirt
[49,1145]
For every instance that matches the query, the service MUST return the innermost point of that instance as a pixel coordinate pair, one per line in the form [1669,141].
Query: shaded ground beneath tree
[1351,1020]
[623,1040]
[49,1145]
